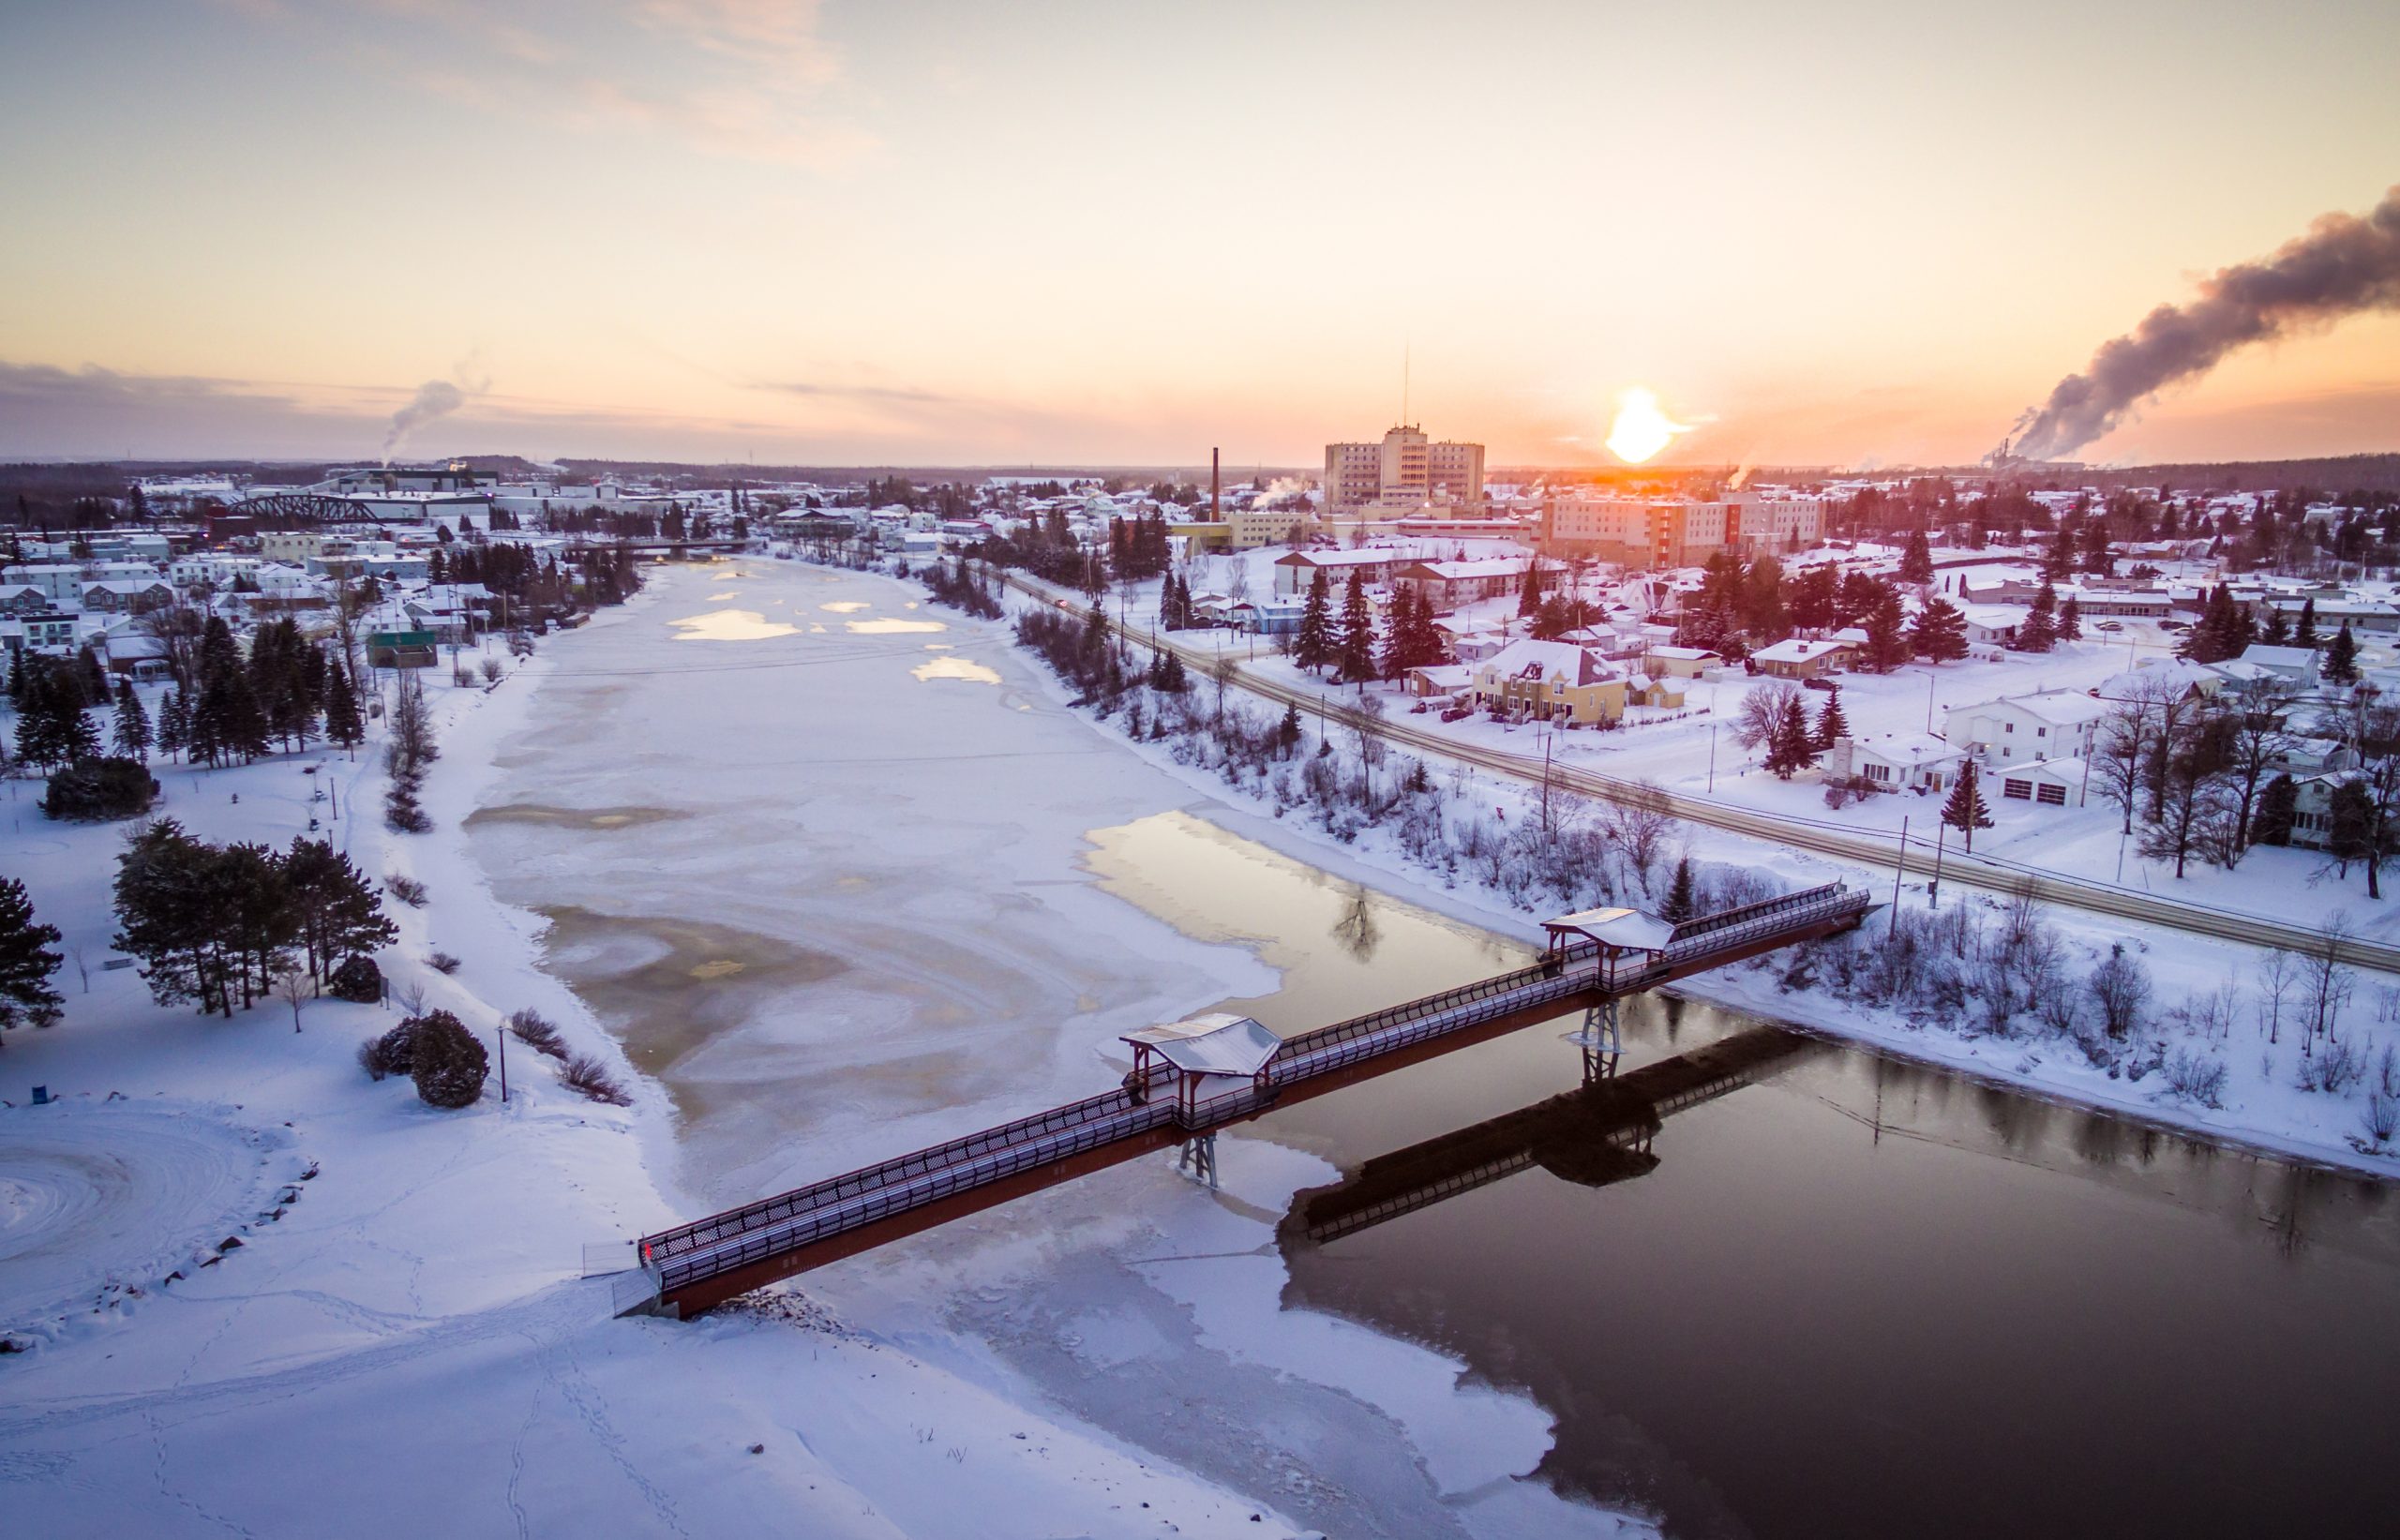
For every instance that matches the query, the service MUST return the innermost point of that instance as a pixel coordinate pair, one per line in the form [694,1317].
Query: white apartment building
[2028,729]
[1405,471]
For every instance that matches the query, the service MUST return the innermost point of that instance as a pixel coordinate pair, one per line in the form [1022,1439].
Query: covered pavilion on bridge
[1630,941]
[1209,1056]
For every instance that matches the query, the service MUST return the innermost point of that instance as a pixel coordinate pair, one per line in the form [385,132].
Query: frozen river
[846,881]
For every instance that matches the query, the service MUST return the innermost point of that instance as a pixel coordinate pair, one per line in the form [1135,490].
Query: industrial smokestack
[1216,501]
[2344,265]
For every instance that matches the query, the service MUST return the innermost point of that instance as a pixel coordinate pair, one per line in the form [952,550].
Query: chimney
[1216,502]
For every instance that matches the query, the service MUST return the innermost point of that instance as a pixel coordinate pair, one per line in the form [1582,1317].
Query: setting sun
[1641,428]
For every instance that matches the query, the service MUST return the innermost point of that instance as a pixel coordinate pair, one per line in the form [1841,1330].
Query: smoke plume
[434,400]
[2343,267]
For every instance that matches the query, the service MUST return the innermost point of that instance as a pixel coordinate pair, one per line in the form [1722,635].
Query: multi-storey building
[1677,531]
[1406,470]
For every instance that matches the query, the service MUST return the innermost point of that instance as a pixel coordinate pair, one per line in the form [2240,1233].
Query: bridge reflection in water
[1597,1134]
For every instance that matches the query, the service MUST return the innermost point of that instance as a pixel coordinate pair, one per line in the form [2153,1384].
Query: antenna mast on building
[1404,351]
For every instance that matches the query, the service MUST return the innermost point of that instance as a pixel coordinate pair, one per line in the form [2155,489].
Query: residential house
[1678,662]
[1894,762]
[1446,679]
[2294,665]
[1550,681]
[2027,729]
[1450,584]
[1297,571]
[1993,625]
[1804,658]
[127,596]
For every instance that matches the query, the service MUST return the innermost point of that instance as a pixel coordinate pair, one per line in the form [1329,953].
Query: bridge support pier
[1600,1041]
[1197,1159]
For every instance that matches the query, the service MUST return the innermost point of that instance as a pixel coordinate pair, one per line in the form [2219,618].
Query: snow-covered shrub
[442,962]
[2333,1067]
[588,1075]
[90,790]
[2121,987]
[393,1053]
[406,890]
[535,1032]
[357,980]
[446,1060]
[2194,1076]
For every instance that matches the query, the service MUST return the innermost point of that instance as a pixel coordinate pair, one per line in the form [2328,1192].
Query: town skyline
[709,231]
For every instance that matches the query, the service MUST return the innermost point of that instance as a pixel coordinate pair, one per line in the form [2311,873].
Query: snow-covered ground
[401,1342]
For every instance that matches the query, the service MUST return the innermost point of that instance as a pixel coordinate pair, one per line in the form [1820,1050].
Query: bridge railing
[1432,1005]
[667,1244]
[964,1175]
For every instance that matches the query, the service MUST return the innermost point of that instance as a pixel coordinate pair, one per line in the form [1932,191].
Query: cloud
[750,80]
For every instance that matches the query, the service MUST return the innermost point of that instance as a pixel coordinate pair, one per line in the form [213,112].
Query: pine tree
[27,961]
[2071,620]
[1965,810]
[174,721]
[1399,642]
[2277,631]
[1314,647]
[1355,647]
[1791,747]
[340,913]
[243,724]
[1529,589]
[1680,902]
[1287,732]
[2342,657]
[342,724]
[2036,633]
[1831,723]
[2304,633]
[132,732]
[1916,559]
[1939,631]
[1887,640]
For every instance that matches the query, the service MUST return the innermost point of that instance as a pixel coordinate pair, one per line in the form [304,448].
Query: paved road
[1871,850]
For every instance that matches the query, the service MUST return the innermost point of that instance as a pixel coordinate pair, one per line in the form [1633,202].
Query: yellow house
[1550,681]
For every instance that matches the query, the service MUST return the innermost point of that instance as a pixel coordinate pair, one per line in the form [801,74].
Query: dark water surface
[1841,1296]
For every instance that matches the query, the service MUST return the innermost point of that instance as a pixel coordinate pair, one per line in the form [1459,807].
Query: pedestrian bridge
[1189,1080]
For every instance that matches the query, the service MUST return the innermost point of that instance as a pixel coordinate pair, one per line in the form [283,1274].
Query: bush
[447,1061]
[491,671]
[588,1075]
[532,1029]
[393,1053]
[406,890]
[2196,1077]
[401,814]
[357,980]
[443,963]
[90,790]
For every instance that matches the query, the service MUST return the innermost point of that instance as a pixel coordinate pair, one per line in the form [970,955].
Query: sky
[1125,232]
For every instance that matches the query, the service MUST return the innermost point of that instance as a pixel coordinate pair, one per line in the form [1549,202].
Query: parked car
[2108,625]
[1815,684]
[2174,626]
[1457,713]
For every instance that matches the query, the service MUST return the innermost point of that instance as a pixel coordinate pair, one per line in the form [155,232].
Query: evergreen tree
[1314,647]
[2304,633]
[2277,631]
[1790,746]
[1831,723]
[2035,633]
[2278,804]
[1887,639]
[1529,589]
[1395,659]
[2342,657]
[1965,810]
[1916,559]
[27,961]
[132,732]
[2071,620]
[93,677]
[174,721]
[1680,902]
[342,721]
[1287,731]
[1939,631]
[242,724]
[218,653]
[1354,646]
[340,913]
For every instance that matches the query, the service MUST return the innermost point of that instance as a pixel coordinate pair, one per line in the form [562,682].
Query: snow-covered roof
[1800,650]
[1218,1043]
[1617,927]
[2059,707]
[1549,660]
[2266,657]
[1910,750]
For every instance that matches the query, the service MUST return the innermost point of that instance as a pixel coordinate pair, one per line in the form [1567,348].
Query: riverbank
[351,1260]
[2203,1004]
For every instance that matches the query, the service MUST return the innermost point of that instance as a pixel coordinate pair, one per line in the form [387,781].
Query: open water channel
[1843,1296]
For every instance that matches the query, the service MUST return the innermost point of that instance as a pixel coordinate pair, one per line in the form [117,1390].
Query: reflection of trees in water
[1356,929]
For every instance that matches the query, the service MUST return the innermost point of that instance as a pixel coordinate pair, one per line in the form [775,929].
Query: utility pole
[1933,891]
[1898,867]
[1711,754]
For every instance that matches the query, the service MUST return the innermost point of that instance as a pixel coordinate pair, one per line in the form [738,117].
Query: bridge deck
[693,1267]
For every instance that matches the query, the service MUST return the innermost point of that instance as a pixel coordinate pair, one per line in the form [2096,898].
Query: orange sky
[1123,234]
